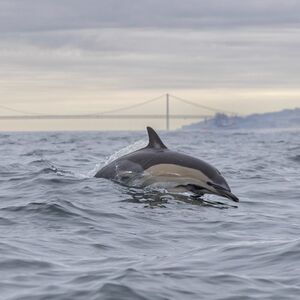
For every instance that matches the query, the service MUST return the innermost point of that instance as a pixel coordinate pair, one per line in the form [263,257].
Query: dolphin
[156,165]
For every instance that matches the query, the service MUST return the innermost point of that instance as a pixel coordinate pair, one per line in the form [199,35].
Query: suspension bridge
[118,113]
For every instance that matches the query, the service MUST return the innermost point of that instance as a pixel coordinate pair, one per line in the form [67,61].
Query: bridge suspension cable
[20,111]
[89,114]
[127,107]
[202,106]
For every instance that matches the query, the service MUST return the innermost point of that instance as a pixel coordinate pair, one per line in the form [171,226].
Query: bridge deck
[146,116]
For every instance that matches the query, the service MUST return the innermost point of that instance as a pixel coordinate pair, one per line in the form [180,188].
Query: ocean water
[67,235]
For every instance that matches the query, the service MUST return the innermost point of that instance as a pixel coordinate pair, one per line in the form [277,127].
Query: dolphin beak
[224,192]
[229,195]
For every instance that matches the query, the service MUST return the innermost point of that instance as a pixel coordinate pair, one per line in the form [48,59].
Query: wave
[62,209]
[112,291]
[28,264]
[295,158]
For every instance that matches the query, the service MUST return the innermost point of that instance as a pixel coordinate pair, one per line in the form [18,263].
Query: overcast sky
[82,56]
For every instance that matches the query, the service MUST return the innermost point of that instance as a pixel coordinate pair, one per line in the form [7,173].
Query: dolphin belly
[177,175]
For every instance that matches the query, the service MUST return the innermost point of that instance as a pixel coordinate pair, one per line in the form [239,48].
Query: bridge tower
[167,112]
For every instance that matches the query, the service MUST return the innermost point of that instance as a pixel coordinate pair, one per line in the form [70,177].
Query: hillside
[288,118]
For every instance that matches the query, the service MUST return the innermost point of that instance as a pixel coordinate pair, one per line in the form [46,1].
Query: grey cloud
[139,44]
[32,15]
[139,59]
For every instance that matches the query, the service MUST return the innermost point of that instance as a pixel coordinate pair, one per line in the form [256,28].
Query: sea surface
[65,234]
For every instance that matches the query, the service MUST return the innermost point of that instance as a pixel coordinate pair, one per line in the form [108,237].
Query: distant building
[222,120]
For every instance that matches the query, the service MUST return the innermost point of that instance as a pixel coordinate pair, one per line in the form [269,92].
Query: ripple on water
[112,291]
[295,158]
[6,222]
[43,209]
[24,265]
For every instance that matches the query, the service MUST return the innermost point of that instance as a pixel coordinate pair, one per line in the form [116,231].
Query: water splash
[128,149]
[60,171]
[160,197]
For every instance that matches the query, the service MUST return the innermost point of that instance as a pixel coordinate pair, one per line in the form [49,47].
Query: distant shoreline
[284,119]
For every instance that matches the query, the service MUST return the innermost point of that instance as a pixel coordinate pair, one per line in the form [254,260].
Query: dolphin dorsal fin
[154,140]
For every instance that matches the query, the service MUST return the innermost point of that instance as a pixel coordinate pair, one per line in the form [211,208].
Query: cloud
[161,58]
[32,15]
[97,47]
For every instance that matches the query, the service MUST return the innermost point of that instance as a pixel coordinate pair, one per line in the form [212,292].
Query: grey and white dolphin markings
[156,164]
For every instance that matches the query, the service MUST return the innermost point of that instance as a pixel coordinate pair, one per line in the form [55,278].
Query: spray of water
[128,149]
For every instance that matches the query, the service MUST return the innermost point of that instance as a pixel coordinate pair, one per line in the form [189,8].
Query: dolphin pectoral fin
[154,140]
